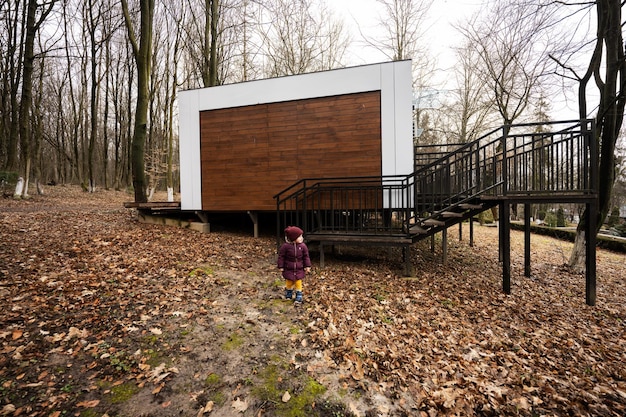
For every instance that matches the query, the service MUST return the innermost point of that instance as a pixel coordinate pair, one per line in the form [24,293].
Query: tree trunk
[610,111]
[93,99]
[27,92]
[142,53]
[14,64]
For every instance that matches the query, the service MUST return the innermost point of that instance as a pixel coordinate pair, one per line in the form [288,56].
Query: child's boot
[288,294]
[298,296]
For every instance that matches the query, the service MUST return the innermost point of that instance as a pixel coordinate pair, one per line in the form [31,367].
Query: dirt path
[102,315]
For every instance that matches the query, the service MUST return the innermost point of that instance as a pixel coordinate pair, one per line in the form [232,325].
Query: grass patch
[154,359]
[277,283]
[201,271]
[276,379]
[124,392]
[233,342]
[276,305]
[212,381]
[213,384]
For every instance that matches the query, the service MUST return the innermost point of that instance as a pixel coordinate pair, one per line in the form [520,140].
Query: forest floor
[102,315]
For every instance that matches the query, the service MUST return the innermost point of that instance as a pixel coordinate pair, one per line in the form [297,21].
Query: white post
[19,187]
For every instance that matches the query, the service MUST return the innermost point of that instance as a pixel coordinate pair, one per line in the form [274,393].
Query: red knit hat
[293,232]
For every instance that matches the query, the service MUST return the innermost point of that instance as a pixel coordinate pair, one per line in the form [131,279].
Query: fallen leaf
[240,406]
[88,404]
[286,397]
[17,334]
[8,409]
[206,409]
[75,332]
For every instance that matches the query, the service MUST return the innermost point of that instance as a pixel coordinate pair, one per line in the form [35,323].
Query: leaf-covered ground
[101,315]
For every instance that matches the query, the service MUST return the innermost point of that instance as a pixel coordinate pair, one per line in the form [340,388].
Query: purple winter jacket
[293,258]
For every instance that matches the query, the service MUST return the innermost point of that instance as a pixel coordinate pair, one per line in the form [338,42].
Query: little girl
[294,262]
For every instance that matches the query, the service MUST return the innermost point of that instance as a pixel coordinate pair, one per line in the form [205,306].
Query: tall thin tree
[607,67]
[35,16]
[142,51]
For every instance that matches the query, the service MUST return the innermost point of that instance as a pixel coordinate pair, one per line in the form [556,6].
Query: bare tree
[246,62]
[93,21]
[142,51]
[473,108]
[204,45]
[401,23]
[512,41]
[12,44]
[302,37]
[35,16]
[402,26]
[607,67]
[177,16]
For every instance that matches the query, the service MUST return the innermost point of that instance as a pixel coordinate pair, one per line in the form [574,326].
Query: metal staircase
[524,163]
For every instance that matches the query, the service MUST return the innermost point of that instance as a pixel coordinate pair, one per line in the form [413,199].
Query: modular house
[241,144]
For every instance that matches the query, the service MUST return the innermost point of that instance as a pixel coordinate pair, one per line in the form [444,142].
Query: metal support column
[255,220]
[505,250]
[444,245]
[590,253]
[527,240]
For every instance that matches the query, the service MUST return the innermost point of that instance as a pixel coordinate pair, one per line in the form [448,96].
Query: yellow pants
[290,285]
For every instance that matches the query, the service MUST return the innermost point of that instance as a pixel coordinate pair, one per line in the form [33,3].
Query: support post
[590,254]
[202,216]
[500,224]
[406,257]
[321,255]
[505,250]
[444,245]
[460,231]
[471,232]
[255,220]
[527,240]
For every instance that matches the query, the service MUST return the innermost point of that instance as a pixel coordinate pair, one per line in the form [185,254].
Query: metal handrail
[500,163]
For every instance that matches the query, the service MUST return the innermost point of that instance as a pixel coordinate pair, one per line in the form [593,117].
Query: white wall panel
[393,79]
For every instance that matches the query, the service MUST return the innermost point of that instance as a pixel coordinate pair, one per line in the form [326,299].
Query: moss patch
[124,392]
[213,384]
[201,271]
[276,378]
[233,342]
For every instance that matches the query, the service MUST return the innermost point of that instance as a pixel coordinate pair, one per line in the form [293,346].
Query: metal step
[469,206]
[451,214]
[416,229]
[433,222]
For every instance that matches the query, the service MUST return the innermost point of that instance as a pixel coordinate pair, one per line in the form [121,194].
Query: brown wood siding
[248,154]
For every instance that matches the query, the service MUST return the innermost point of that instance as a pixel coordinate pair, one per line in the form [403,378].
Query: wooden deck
[153,205]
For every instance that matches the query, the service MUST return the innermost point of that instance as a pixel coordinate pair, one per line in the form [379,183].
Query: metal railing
[520,161]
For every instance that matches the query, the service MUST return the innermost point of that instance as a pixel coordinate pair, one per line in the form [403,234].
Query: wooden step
[416,229]
[433,222]
[451,214]
[469,206]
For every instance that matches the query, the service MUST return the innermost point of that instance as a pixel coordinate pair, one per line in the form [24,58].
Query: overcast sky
[440,35]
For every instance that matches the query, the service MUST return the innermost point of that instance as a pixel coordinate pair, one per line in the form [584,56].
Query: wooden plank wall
[248,154]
